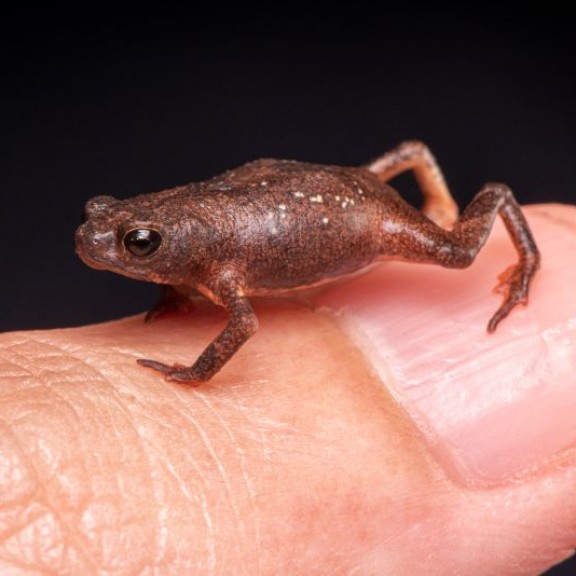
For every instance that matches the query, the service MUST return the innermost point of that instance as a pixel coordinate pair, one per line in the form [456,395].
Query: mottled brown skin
[273,226]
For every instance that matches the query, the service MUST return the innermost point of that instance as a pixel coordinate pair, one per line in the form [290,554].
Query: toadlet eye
[142,242]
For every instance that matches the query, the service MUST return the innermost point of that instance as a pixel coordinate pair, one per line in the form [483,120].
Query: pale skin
[295,459]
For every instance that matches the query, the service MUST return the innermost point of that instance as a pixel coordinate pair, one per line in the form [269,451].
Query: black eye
[142,242]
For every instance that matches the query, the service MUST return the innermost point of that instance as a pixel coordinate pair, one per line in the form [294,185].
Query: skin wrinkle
[13,357]
[49,532]
[259,439]
[174,471]
[69,349]
[72,532]
[42,510]
[18,525]
[161,509]
[441,494]
[16,563]
[73,536]
[489,511]
[60,350]
[192,498]
[185,490]
[210,534]
[240,454]
[272,435]
[206,442]
[80,538]
[26,476]
[106,518]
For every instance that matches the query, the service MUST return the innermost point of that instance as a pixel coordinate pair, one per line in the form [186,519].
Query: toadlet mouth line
[90,261]
[83,254]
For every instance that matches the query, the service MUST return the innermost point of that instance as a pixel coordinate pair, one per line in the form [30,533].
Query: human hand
[393,437]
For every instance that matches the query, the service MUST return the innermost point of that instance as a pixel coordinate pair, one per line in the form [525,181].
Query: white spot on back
[347,202]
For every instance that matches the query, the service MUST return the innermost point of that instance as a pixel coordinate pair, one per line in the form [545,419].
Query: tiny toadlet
[273,226]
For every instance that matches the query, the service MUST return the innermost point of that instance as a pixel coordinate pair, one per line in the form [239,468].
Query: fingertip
[483,399]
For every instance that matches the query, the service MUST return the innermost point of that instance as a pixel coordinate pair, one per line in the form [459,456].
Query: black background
[92,105]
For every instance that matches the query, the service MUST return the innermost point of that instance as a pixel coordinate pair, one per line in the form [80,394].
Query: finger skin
[497,404]
[294,459]
[251,475]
